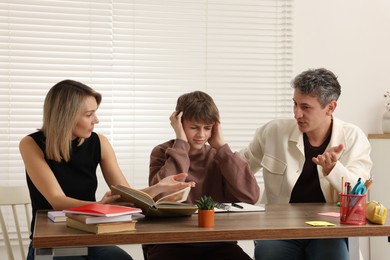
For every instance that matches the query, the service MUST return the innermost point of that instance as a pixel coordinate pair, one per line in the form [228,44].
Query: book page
[178,196]
[135,196]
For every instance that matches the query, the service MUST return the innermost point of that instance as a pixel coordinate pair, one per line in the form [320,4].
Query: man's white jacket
[277,148]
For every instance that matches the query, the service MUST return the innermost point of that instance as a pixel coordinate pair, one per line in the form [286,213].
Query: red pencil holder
[353,209]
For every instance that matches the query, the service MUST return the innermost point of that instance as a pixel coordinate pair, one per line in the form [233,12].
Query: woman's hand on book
[108,198]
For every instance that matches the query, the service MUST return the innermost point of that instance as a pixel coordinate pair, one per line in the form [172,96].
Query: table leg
[353,245]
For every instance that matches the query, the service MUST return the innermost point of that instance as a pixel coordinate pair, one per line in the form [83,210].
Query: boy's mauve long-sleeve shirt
[221,174]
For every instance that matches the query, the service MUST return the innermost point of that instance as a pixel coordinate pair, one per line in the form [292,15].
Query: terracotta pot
[206,218]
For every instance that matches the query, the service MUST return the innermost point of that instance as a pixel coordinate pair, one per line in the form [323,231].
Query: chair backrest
[17,199]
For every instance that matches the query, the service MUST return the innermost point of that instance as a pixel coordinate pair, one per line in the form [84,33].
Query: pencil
[368,184]
[237,206]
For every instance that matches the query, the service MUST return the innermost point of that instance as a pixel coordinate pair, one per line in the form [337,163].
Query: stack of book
[101,218]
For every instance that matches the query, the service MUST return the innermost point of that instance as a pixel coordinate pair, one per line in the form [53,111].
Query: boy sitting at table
[217,171]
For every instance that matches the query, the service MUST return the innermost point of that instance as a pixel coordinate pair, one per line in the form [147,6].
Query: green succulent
[205,202]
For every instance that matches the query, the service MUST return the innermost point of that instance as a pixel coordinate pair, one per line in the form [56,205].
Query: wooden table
[280,221]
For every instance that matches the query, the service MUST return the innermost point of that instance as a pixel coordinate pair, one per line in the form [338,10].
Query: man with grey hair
[305,159]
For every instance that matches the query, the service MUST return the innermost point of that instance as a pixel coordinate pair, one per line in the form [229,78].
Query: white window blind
[141,55]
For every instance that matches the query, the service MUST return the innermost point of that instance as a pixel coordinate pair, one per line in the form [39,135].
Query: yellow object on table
[376,212]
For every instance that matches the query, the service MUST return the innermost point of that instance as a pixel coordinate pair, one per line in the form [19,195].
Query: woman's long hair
[62,108]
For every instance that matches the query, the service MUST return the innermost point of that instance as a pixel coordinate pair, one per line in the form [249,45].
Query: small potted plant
[205,211]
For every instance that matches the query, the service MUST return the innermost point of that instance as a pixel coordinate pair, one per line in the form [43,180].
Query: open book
[238,207]
[170,205]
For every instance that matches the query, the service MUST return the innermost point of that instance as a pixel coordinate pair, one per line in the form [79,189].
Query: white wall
[351,38]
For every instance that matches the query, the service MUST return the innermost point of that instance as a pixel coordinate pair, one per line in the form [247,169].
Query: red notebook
[96,209]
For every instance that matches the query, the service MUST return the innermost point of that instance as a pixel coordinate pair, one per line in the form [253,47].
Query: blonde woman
[62,157]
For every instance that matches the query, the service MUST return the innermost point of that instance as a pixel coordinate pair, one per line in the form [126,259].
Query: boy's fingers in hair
[173,115]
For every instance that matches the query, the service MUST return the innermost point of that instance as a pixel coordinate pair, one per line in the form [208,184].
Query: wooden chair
[18,200]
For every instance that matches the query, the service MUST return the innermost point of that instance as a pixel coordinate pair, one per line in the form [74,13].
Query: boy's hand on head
[177,126]
[329,158]
[216,140]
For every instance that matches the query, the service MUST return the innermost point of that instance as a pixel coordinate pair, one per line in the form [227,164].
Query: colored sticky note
[330,214]
[319,223]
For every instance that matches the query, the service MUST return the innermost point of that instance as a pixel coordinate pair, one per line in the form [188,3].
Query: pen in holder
[353,209]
